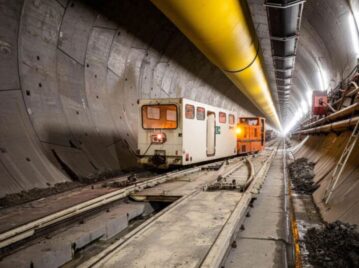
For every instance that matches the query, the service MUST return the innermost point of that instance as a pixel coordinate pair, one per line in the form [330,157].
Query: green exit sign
[218,130]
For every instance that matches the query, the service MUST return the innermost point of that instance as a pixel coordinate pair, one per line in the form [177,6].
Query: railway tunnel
[72,76]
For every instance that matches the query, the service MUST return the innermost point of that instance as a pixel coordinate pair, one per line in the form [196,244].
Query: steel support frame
[283,6]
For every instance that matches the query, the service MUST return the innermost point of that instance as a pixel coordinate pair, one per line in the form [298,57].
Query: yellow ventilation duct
[220,30]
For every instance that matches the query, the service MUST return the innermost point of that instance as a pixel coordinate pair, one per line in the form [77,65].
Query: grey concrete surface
[261,243]
[60,247]
[71,73]
[182,237]
[325,40]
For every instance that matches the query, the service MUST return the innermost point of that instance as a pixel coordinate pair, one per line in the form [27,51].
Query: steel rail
[27,230]
[98,259]
[251,176]
[219,250]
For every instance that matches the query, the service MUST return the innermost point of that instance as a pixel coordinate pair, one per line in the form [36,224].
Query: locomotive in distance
[181,132]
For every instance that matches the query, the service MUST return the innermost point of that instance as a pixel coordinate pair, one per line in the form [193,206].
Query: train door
[262,132]
[211,133]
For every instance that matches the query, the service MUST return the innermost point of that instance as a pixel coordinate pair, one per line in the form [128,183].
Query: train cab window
[201,113]
[189,111]
[159,116]
[222,117]
[171,115]
[253,122]
[231,119]
[153,113]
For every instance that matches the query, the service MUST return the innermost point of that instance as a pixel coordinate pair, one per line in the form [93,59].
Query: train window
[171,115]
[222,117]
[201,113]
[153,112]
[159,116]
[231,119]
[189,111]
[253,122]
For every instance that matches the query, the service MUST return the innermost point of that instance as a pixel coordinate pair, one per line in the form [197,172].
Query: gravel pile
[335,245]
[36,193]
[302,173]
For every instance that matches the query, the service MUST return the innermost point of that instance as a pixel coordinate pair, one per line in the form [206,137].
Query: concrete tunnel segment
[71,74]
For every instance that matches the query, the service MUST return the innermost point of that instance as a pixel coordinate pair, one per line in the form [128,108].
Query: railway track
[22,232]
[41,227]
[220,244]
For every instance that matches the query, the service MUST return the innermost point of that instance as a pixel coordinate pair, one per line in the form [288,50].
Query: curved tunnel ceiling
[71,74]
[325,46]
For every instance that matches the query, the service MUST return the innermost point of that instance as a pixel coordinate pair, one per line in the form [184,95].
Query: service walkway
[262,242]
[196,231]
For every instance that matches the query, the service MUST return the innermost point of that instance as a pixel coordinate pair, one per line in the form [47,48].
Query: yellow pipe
[220,30]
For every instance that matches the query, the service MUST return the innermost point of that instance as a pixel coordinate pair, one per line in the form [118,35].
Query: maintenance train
[180,132]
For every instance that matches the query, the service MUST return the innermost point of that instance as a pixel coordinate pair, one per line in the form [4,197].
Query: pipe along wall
[71,73]
[223,31]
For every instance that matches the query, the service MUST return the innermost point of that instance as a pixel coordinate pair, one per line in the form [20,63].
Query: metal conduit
[284,20]
[220,29]
[337,126]
[350,110]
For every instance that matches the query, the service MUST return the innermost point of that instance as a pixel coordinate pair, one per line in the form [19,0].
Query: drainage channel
[197,229]
[152,208]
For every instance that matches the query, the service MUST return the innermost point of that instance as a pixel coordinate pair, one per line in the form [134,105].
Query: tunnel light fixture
[304,106]
[309,94]
[296,117]
[354,34]
[292,123]
[322,77]
[300,112]
[356,17]
[320,81]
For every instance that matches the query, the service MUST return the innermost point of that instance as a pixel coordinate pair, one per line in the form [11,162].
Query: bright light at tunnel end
[301,112]
[323,80]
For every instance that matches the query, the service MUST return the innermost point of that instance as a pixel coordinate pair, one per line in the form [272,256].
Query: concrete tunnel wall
[70,80]
[325,152]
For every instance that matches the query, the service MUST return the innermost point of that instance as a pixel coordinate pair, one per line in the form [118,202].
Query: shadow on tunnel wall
[89,157]
[325,151]
[73,72]
[144,21]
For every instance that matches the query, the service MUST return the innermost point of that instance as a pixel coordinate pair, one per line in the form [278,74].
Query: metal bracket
[282,6]
[283,70]
[276,57]
[284,38]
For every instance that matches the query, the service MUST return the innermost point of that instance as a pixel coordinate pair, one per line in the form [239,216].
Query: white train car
[180,131]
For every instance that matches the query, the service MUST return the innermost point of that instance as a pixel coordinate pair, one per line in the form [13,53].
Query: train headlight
[159,138]
[238,130]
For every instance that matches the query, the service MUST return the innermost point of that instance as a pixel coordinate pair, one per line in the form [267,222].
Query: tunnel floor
[174,220]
